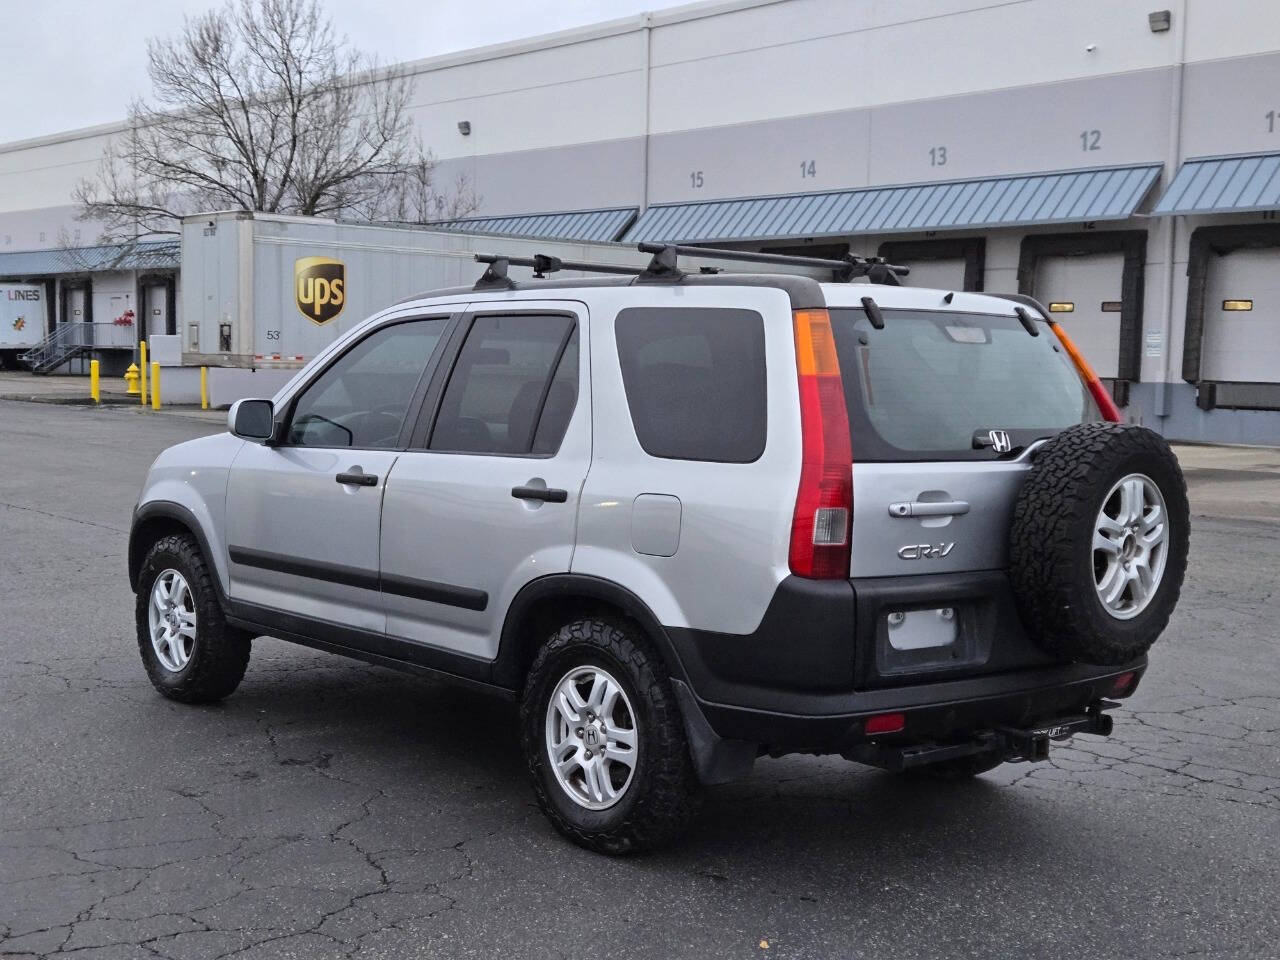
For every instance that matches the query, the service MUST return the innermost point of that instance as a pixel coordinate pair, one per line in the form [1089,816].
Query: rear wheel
[604,740]
[189,651]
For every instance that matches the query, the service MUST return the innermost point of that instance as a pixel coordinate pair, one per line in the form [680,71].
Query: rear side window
[513,388]
[695,382]
[929,383]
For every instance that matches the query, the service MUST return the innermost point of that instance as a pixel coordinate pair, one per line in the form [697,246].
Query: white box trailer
[22,313]
[262,293]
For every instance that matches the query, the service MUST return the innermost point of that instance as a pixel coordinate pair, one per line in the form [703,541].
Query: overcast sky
[75,63]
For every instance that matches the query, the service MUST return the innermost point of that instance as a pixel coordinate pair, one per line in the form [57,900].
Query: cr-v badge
[925,551]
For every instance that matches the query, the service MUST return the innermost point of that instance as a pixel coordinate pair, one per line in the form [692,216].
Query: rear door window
[930,384]
[695,381]
[513,388]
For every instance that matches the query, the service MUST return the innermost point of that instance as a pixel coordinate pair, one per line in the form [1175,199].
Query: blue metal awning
[152,255]
[598,226]
[1223,184]
[1111,193]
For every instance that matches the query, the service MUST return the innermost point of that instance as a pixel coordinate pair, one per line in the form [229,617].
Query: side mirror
[252,420]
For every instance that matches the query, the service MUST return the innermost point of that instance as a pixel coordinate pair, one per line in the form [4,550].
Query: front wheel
[604,740]
[189,651]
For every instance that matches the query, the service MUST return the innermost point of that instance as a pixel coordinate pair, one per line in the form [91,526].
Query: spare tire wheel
[1098,543]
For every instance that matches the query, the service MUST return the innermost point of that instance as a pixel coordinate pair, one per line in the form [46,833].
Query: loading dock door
[1083,293]
[945,274]
[76,301]
[1242,318]
[155,308]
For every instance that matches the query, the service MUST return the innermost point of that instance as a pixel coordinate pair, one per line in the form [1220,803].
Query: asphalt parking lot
[332,809]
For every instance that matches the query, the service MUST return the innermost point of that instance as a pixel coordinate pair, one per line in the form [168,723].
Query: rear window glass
[930,382]
[695,382]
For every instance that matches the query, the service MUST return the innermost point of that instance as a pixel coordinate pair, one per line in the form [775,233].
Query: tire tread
[221,653]
[666,783]
[1054,509]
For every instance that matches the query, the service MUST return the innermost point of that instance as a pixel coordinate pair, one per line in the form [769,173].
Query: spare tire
[1098,543]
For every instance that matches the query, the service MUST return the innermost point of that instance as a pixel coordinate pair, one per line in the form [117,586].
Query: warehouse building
[1119,160]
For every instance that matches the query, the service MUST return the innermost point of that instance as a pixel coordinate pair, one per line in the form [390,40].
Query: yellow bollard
[204,388]
[155,386]
[131,381]
[143,382]
[94,392]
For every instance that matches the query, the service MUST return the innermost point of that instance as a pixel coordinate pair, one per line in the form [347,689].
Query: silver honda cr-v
[686,520]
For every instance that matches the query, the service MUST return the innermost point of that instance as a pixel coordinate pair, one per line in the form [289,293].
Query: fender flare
[715,759]
[507,665]
[167,510]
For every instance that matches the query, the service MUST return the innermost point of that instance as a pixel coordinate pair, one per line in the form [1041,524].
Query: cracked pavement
[333,809]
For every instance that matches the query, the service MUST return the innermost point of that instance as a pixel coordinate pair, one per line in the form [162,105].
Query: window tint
[361,400]
[927,382]
[501,382]
[695,382]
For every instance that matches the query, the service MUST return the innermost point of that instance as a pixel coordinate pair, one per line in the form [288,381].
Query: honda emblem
[1000,441]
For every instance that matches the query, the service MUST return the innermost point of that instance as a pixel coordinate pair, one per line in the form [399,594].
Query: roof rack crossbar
[664,266]
[543,264]
[749,256]
[877,269]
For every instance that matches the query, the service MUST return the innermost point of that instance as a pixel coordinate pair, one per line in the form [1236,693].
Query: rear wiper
[1028,324]
[873,313]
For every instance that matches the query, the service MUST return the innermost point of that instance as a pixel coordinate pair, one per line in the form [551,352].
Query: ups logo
[319,284]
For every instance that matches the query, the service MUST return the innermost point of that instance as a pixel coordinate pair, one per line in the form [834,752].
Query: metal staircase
[71,340]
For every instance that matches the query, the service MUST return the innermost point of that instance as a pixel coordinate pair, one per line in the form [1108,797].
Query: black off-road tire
[957,768]
[1051,542]
[220,652]
[662,796]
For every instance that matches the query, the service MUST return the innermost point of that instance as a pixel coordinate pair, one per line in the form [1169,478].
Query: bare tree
[411,196]
[261,106]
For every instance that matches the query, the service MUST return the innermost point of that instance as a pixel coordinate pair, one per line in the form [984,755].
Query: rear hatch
[945,408]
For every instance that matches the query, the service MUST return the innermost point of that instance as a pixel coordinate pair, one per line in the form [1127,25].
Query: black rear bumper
[934,711]
[821,663]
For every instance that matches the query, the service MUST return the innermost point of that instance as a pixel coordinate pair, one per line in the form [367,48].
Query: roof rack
[664,266]
[849,267]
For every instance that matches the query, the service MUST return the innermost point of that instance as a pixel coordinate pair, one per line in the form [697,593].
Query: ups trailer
[263,293]
[22,314]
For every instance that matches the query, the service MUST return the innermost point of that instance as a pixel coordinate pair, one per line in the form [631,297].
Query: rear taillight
[885,723]
[1124,684]
[824,502]
[1106,406]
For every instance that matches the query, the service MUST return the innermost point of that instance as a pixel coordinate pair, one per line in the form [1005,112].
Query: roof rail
[664,266]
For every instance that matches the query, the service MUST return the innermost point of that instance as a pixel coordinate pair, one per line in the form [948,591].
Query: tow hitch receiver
[1032,743]
[1012,743]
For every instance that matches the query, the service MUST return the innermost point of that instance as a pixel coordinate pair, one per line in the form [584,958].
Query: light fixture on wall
[464,127]
[1159,20]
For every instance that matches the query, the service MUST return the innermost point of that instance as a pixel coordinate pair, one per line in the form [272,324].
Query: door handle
[545,494]
[358,479]
[925,508]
